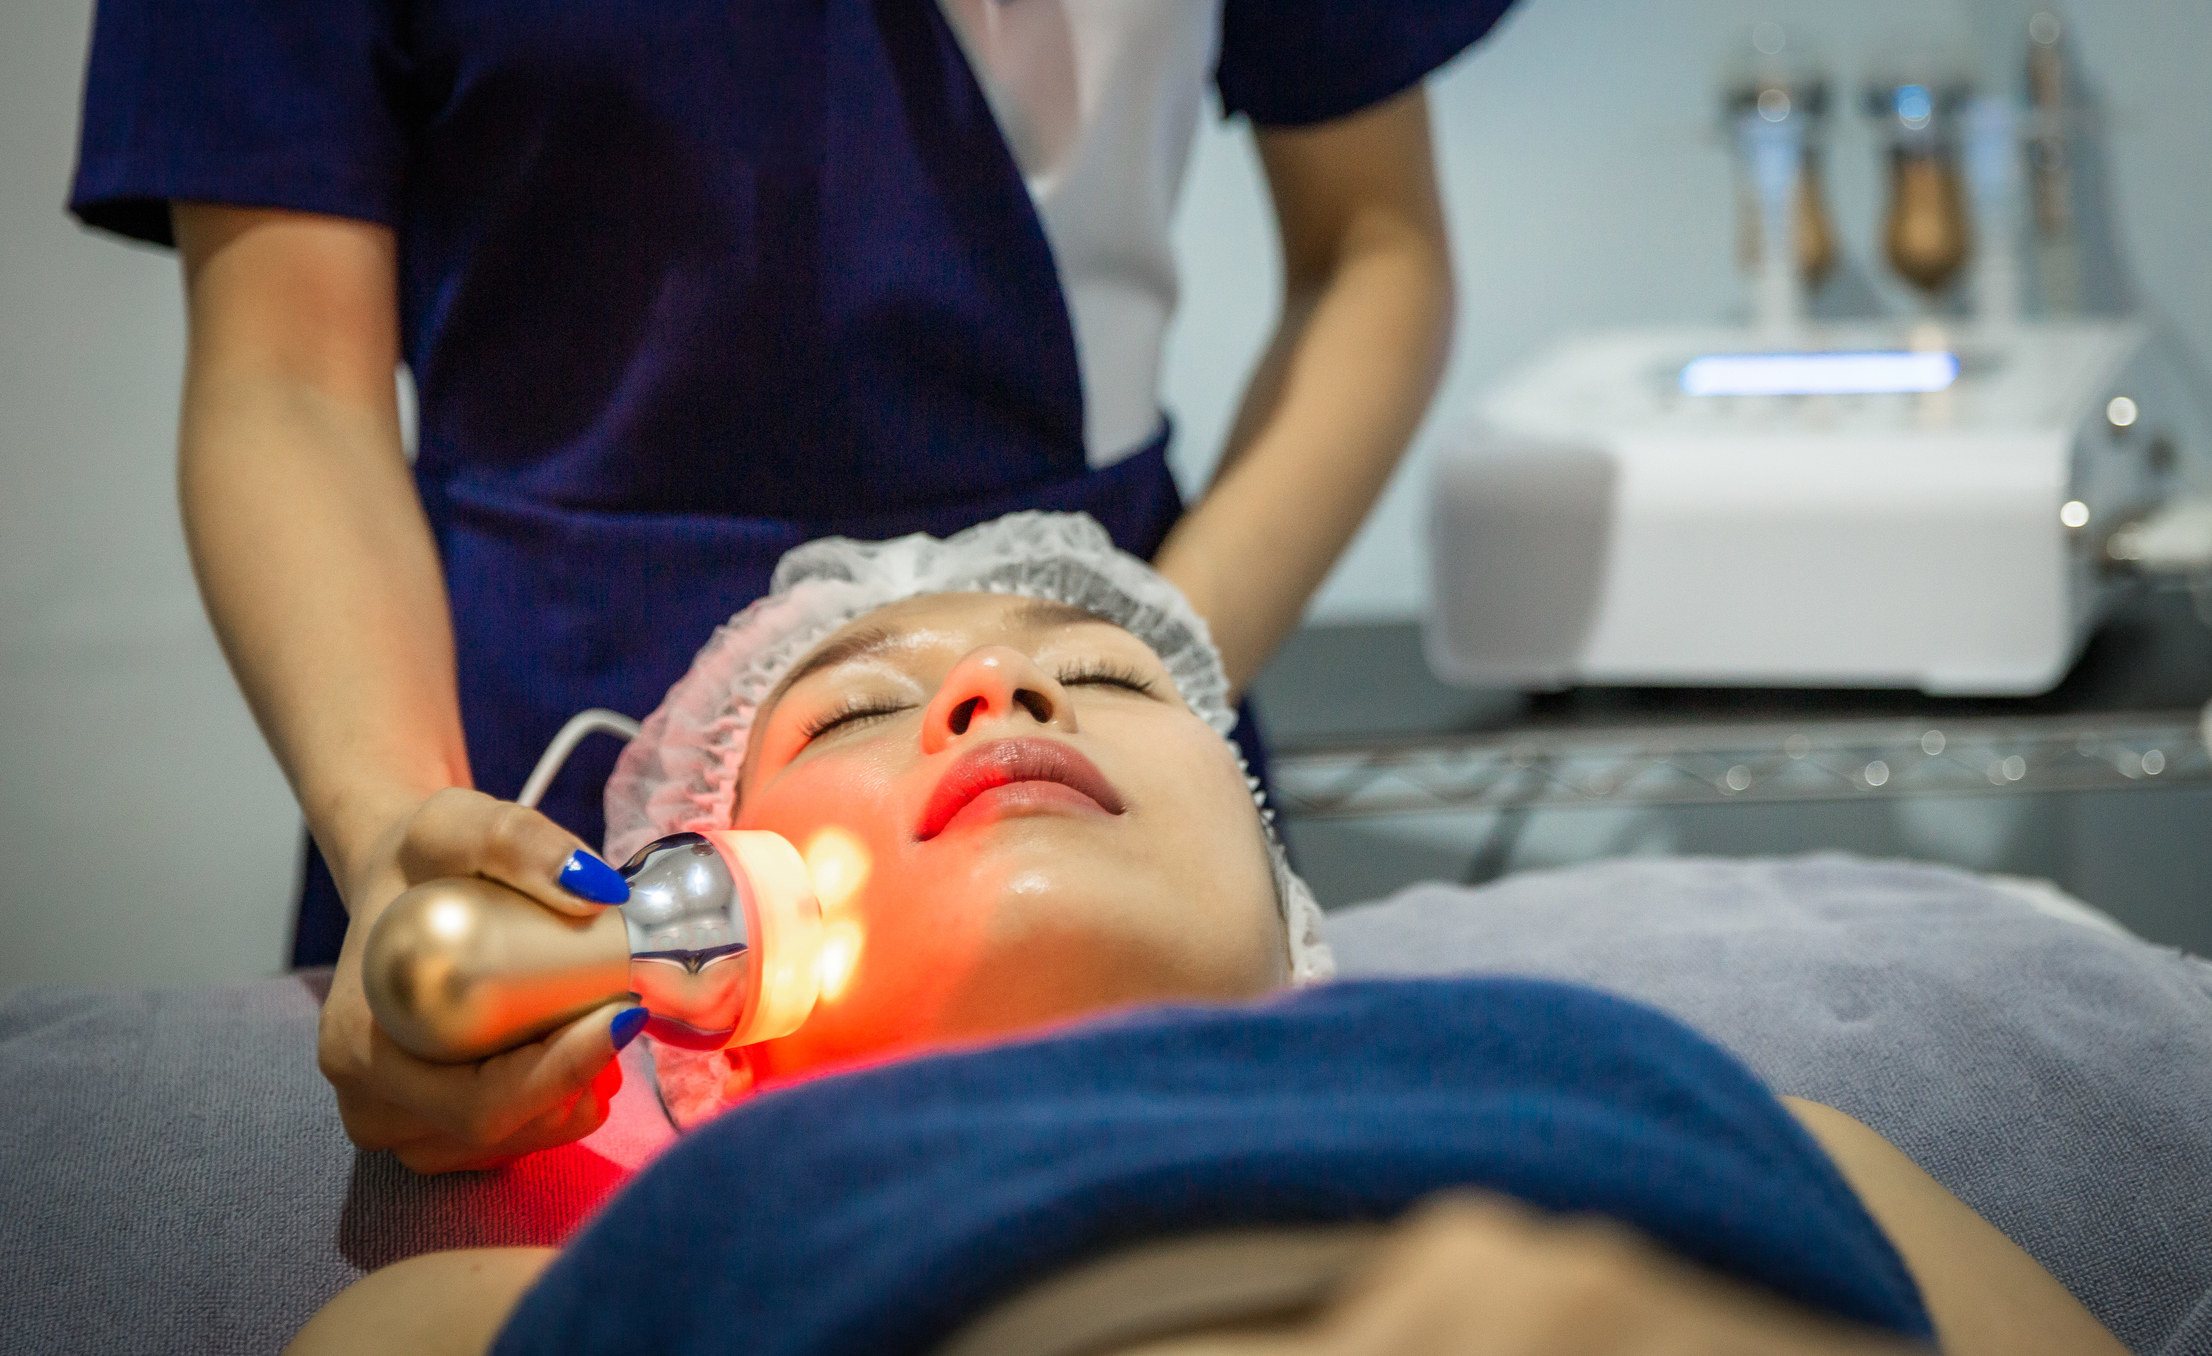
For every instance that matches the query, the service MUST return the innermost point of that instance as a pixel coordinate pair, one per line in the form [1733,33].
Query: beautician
[681,286]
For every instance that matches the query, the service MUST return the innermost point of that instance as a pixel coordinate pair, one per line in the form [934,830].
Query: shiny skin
[1035,903]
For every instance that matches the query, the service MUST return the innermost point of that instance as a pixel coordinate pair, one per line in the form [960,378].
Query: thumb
[550,1072]
[468,833]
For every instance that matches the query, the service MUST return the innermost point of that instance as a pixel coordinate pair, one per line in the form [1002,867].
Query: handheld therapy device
[1860,507]
[721,941]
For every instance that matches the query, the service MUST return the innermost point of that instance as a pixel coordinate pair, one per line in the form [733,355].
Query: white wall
[1587,185]
[145,834]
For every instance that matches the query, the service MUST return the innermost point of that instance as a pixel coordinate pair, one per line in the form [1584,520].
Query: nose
[994,684]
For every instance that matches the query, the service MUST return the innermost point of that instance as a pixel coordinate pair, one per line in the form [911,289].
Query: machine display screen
[1875,373]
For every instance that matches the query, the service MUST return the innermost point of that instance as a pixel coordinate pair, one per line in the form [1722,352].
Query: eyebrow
[1039,613]
[845,649]
[1035,614]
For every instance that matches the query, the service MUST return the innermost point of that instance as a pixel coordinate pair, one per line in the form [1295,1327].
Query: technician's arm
[1988,1297]
[323,582]
[1367,313]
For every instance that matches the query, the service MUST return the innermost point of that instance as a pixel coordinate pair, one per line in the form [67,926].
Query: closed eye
[1101,673]
[852,713]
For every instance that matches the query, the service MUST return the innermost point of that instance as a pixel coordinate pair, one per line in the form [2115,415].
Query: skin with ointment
[1034,828]
[1043,828]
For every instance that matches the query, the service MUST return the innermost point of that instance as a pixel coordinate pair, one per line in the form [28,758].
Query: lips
[1006,762]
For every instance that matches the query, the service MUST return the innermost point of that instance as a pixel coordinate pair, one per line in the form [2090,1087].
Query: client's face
[1040,826]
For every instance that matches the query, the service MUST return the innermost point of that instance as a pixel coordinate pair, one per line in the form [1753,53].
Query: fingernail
[627,1023]
[586,877]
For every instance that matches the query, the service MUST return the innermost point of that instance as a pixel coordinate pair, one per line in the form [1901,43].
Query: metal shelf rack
[1751,762]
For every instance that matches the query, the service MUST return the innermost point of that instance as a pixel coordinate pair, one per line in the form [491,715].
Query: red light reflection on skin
[1012,885]
[839,865]
[877,1002]
[833,969]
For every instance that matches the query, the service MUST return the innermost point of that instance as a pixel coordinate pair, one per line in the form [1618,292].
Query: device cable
[597,720]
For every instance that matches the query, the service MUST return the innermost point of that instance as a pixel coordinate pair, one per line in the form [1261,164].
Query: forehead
[957,619]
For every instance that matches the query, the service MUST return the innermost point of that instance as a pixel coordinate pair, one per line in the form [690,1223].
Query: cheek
[1203,830]
[841,814]
[895,919]
[1191,776]
[802,798]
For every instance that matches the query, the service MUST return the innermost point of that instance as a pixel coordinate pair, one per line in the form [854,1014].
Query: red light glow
[839,864]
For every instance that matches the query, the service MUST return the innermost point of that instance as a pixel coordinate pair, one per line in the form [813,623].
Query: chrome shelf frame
[1722,763]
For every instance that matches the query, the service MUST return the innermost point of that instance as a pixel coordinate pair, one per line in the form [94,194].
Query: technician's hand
[1470,1275]
[445,1117]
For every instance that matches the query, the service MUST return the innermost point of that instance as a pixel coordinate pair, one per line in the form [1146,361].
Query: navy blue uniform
[682,285]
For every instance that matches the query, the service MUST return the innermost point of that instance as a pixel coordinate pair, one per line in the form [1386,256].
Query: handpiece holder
[720,941]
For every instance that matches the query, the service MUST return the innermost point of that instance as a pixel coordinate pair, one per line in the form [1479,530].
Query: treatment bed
[173,1176]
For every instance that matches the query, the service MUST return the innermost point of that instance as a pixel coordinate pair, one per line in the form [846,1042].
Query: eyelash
[848,714]
[1100,673]
[1093,674]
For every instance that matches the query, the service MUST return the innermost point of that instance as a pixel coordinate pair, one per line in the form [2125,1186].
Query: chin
[1040,863]
[1051,958]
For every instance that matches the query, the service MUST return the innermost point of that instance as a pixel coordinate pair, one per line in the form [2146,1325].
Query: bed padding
[2055,1074]
[173,1176]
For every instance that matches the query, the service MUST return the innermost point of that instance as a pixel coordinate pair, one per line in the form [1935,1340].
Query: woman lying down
[1082,1094]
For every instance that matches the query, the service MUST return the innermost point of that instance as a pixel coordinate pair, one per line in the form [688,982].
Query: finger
[345,1045]
[1437,1282]
[571,1060]
[435,1154]
[373,1123]
[608,1081]
[563,1125]
[467,833]
[482,1104]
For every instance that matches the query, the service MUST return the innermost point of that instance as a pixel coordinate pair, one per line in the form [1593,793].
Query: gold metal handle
[461,968]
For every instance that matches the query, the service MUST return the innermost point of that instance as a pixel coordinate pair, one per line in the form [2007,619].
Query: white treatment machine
[1855,509]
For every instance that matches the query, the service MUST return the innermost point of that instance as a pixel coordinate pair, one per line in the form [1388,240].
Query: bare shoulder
[438,1304]
[1985,1294]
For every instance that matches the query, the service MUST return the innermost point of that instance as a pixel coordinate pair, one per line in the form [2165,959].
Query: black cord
[1494,857]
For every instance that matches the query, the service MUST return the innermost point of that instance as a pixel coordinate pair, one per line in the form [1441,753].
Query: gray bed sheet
[2050,1069]
[173,1176]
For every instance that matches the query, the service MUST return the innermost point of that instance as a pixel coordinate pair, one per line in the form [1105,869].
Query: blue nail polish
[627,1023]
[586,877]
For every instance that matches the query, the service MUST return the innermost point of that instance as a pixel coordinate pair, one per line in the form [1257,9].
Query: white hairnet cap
[680,773]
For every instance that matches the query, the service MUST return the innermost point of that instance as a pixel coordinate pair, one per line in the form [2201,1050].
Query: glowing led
[1897,372]
[833,968]
[2121,412]
[787,922]
[838,863]
[2074,513]
[1914,106]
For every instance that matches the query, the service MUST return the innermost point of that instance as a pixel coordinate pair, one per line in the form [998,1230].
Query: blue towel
[876,1211]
